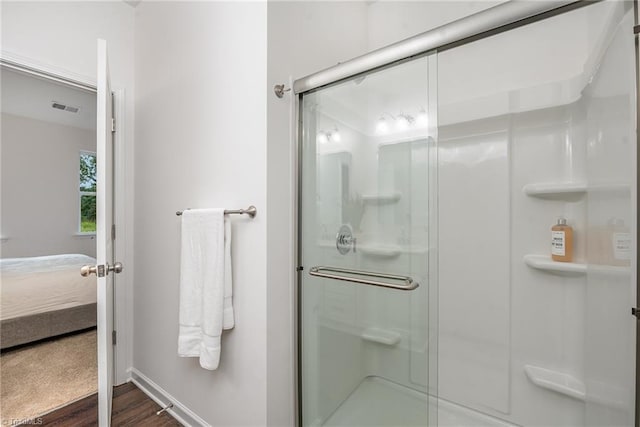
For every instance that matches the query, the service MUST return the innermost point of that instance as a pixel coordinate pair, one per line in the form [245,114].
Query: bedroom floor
[41,377]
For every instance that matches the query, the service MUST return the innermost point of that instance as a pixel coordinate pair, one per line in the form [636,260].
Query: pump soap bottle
[620,243]
[562,241]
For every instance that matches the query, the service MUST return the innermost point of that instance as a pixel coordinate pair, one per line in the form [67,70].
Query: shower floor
[382,403]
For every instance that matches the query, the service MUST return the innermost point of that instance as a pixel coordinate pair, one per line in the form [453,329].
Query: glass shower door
[367,150]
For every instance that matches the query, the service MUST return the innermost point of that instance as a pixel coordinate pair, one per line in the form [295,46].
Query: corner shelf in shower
[556,381]
[551,189]
[381,199]
[559,189]
[545,263]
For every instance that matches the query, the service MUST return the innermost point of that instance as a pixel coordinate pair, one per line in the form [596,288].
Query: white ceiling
[28,96]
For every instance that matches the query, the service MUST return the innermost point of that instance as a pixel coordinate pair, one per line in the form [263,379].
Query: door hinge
[113,125]
[635,311]
[113,232]
[636,29]
[114,337]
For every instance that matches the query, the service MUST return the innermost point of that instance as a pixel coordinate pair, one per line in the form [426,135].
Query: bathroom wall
[61,37]
[303,37]
[40,199]
[201,142]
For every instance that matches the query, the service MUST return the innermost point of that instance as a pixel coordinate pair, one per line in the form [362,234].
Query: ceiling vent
[63,107]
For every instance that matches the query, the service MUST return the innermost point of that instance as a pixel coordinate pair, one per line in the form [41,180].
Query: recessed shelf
[545,263]
[556,381]
[381,199]
[549,189]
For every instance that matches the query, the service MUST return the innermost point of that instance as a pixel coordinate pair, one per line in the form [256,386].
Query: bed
[45,296]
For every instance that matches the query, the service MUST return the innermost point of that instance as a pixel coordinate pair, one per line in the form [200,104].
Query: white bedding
[40,284]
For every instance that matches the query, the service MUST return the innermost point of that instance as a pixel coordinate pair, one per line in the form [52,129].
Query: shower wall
[534,124]
[519,123]
[321,34]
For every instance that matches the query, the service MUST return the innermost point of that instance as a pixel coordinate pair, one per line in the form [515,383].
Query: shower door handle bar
[407,284]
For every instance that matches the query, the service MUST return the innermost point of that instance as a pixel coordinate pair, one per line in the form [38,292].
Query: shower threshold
[382,403]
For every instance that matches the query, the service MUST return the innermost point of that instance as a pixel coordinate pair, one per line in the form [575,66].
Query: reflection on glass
[365,207]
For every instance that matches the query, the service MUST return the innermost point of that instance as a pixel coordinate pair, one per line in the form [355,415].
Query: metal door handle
[86,270]
[99,270]
[407,282]
[116,268]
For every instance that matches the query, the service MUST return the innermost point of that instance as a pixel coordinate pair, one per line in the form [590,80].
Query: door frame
[636,16]
[122,282]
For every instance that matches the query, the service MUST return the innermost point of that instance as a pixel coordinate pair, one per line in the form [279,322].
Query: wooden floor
[131,407]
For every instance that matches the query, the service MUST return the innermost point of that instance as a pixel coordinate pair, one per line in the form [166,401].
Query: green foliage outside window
[88,181]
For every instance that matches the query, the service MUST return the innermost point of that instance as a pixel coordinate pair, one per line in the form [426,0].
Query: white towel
[205,285]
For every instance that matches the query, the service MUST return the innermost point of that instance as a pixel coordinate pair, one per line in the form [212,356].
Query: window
[87,192]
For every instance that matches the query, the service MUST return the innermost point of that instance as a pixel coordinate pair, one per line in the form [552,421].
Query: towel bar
[407,283]
[251,211]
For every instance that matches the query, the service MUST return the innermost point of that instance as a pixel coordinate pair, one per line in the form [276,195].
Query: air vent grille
[69,108]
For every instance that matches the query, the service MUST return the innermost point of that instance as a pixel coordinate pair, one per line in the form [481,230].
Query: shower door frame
[498,19]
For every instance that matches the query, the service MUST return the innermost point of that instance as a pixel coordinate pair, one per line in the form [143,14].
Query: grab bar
[408,284]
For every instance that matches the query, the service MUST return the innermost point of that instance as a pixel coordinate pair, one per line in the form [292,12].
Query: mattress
[43,297]
[36,285]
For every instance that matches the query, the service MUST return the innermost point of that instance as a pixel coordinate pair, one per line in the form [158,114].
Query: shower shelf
[556,381]
[545,263]
[381,336]
[381,199]
[559,189]
[550,189]
[380,251]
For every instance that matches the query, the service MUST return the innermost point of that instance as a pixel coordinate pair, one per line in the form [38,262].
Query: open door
[105,267]
[104,253]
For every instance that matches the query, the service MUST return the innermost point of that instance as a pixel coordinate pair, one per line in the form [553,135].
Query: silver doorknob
[86,270]
[116,268]
[99,270]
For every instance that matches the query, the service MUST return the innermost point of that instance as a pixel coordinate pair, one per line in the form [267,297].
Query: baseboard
[180,412]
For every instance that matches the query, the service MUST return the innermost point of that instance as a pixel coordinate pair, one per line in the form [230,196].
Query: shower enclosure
[428,184]
[366,149]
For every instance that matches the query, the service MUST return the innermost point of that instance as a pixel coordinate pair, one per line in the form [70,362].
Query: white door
[105,267]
